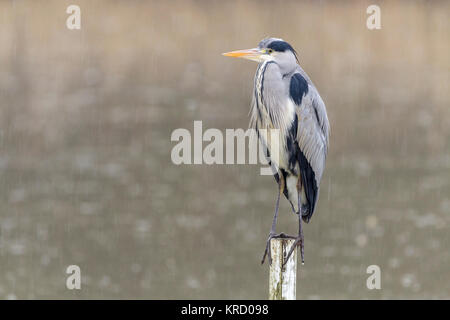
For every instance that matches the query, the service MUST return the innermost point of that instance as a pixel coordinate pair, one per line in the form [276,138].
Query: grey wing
[312,137]
[313,131]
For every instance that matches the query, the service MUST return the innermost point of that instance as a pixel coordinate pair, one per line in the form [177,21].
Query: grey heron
[284,98]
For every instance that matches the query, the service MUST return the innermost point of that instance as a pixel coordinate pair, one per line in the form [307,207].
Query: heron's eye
[269,51]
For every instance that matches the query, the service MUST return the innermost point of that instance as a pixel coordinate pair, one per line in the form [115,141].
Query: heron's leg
[272,234]
[281,185]
[299,241]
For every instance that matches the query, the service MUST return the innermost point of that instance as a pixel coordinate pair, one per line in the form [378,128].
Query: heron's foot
[267,251]
[299,242]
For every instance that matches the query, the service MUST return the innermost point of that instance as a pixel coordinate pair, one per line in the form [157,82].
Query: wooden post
[282,280]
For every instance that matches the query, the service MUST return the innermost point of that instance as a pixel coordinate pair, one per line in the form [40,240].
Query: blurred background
[86,176]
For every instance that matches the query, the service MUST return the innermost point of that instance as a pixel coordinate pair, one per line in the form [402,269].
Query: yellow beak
[250,54]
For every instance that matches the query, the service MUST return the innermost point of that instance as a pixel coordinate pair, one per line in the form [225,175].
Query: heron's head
[269,49]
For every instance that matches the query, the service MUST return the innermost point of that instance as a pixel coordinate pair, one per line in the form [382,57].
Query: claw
[298,242]
[267,251]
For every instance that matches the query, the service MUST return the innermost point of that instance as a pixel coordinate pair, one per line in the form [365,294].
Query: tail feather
[309,184]
[306,215]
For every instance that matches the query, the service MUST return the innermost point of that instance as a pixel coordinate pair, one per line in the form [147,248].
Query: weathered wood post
[282,280]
